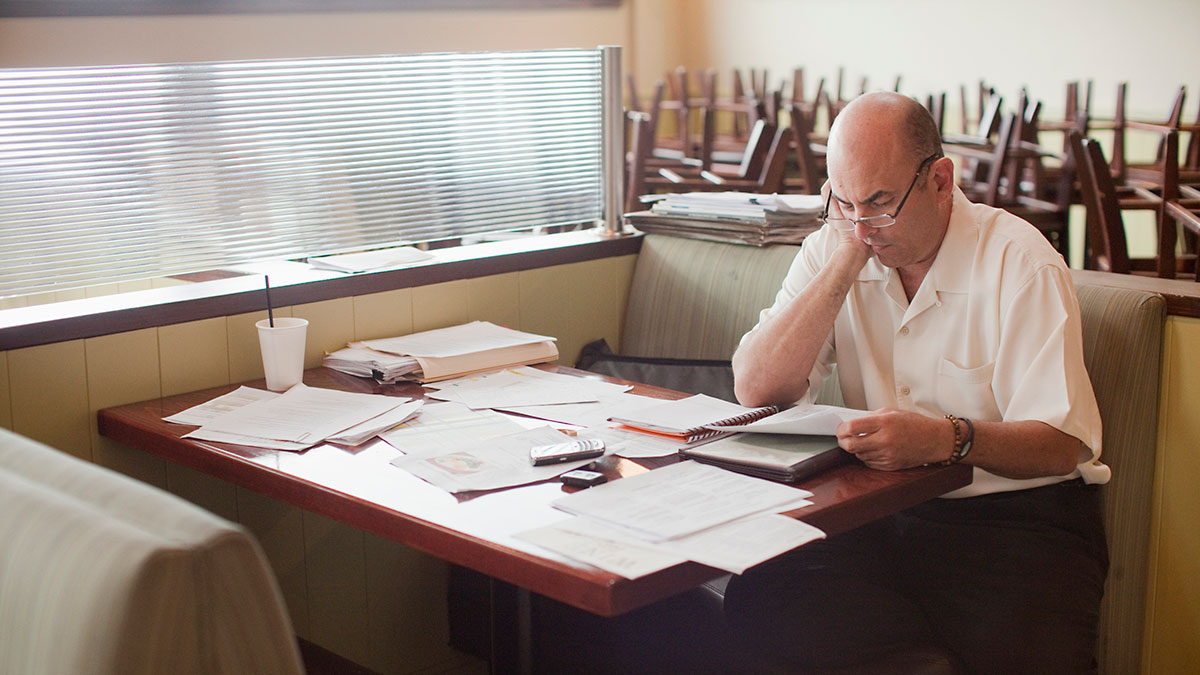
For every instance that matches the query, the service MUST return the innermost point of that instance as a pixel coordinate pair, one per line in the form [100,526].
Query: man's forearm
[773,364]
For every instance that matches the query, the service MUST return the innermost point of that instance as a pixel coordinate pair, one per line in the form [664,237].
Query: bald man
[957,325]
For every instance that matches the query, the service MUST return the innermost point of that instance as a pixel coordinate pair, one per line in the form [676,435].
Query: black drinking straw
[270,313]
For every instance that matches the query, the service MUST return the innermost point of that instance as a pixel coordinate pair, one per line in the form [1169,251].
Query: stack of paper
[739,217]
[363,361]
[443,353]
[368,261]
[297,419]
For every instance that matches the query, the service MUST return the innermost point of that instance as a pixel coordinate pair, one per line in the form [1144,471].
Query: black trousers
[1008,582]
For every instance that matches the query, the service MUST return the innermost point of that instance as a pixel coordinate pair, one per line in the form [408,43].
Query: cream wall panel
[279,529]
[440,305]
[545,305]
[5,396]
[575,303]
[599,308]
[194,355]
[406,608]
[624,271]
[496,298]
[49,399]
[123,368]
[383,315]
[1173,605]
[330,327]
[245,358]
[337,599]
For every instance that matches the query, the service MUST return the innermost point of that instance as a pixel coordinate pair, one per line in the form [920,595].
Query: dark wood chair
[1148,173]
[1011,180]
[761,170]
[1180,211]
[808,172]
[1106,246]
[1106,200]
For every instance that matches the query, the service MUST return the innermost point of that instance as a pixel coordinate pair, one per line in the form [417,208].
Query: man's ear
[943,176]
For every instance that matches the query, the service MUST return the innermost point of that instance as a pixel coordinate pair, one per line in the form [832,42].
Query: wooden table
[359,487]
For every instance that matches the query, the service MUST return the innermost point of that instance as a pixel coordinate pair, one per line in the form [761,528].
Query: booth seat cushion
[102,574]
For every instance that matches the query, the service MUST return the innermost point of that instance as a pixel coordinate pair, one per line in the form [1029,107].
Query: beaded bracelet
[961,445]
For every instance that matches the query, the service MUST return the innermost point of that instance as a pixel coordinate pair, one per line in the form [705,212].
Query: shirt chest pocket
[966,392]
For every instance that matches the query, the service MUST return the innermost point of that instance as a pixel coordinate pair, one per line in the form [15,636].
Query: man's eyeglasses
[883,220]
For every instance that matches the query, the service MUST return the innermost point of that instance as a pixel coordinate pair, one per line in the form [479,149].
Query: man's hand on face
[895,439]
[847,239]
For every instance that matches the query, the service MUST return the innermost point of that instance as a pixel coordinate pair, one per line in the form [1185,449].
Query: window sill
[291,284]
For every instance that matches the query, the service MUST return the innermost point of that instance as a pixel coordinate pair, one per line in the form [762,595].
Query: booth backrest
[694,299]
[1122,345]
[100,573]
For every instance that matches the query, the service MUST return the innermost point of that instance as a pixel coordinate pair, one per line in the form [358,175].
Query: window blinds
[129,172]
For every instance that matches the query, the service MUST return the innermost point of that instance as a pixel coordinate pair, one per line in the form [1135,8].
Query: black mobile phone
[583,478]
[583,448]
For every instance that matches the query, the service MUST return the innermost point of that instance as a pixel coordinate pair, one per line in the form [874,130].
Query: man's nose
[863,232]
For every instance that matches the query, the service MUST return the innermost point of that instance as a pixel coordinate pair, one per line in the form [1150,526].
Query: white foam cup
[282,351]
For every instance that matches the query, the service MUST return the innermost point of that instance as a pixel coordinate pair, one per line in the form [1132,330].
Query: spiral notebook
[687,418]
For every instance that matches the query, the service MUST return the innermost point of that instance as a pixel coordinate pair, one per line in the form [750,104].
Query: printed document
[492,464]
[679,499]
[522,386]
[210,410]
[468,338]
[302,414]
[733,547]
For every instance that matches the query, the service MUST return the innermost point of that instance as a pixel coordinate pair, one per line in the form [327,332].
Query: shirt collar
[955,261]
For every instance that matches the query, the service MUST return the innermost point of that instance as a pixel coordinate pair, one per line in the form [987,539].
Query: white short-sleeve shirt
[993,333]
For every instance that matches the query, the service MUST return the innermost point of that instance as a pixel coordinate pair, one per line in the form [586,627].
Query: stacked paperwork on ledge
[443,353]
[738,217]
[369,261]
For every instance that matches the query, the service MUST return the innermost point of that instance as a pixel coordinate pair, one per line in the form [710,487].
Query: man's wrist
[964,439]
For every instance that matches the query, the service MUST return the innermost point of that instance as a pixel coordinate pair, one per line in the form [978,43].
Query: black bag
[693,376]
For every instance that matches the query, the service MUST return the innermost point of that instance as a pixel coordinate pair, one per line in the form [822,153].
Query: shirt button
[904,391]
[904,330]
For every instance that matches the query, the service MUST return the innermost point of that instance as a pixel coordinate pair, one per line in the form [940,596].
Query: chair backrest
[1108,250]
[100,573]
[770,179]
[757,147]
[810,172]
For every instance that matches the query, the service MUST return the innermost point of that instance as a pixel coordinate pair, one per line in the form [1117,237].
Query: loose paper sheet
[468,338]
[210,410]
[302,414]
[679,499]
[491,464]
[523,386]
